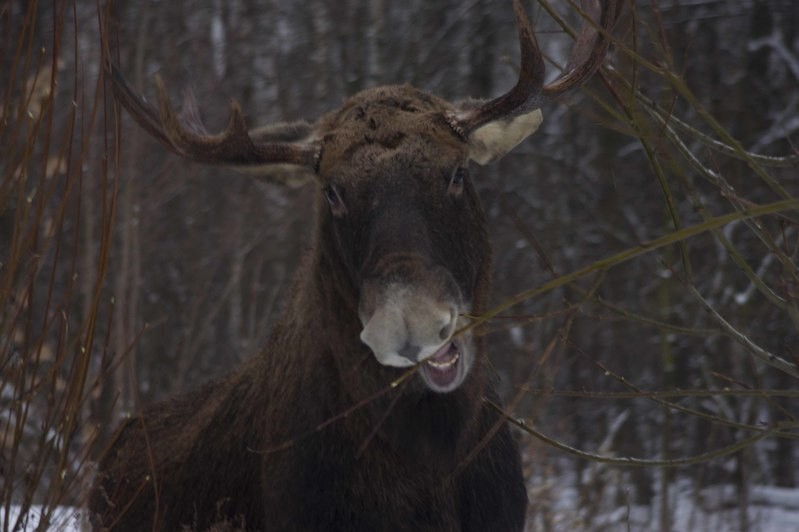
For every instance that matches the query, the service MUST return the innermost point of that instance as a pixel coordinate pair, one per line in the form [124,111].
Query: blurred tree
[202,258]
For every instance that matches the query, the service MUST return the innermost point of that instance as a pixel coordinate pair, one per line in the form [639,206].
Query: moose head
[400,227]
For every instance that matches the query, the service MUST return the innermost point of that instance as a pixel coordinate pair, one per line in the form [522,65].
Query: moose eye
[333,197]
[456,181]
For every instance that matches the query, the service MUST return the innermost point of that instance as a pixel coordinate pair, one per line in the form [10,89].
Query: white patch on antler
[493,140]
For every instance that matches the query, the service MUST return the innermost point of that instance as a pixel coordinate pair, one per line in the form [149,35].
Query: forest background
[647,235]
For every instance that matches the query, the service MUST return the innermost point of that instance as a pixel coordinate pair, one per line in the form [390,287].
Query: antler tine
[144,114]
[530,93]
[188,138]
[525,94]
[588,51]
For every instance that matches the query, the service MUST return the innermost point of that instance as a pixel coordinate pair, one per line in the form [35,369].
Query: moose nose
[408,326]
[420,341]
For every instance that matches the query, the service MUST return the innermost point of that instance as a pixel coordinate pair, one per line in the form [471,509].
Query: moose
[369,407]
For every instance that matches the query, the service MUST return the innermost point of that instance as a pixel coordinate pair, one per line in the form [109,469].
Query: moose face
[409,227]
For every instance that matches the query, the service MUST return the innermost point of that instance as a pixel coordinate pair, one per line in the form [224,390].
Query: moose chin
[367,409]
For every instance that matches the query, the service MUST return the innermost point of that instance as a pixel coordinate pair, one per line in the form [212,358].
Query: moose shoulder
[366,409]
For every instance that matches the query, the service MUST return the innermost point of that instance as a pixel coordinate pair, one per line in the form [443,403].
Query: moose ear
[493,140]
[288,174]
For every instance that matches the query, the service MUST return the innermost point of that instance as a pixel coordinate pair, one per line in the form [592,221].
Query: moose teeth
[444,365]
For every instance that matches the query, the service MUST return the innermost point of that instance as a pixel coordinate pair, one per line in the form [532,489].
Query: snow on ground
[773,510]
[63,519]
[712,509]
[716,509]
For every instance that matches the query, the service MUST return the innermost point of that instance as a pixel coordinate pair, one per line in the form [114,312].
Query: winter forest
[645,322]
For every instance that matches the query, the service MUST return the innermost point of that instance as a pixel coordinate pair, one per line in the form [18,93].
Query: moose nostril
[409,351]
[447,330]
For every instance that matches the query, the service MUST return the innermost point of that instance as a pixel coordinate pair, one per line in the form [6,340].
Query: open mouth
[441,371]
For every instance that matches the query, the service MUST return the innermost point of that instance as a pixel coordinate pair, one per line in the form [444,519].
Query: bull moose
[367,409]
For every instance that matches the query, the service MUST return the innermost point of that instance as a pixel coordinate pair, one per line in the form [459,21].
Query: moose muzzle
[411,319]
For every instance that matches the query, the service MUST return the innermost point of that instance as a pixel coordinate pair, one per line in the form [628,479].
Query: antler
[530,93]
[188,138]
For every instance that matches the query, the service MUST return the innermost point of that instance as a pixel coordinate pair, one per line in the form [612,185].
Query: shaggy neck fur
[418,424]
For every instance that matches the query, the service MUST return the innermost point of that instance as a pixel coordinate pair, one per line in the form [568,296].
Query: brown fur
[267,447]
[309,434]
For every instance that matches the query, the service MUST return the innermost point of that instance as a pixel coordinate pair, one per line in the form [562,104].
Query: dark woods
[128,275]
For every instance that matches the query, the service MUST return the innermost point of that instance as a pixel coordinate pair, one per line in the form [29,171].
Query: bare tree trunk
[127,280]
[374,42]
